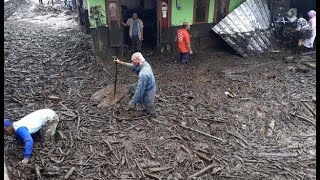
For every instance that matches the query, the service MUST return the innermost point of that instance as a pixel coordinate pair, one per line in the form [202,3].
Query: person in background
[69,5]
[145,89]
[303,30]
[43,120]
[183,38]
[308,42]
[135,31]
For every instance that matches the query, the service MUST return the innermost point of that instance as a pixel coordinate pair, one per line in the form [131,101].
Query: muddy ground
[267,131]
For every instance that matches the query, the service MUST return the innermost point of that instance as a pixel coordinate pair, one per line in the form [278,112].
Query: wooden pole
[115,81]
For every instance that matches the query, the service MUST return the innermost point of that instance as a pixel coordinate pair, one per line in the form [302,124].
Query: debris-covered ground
[267,131]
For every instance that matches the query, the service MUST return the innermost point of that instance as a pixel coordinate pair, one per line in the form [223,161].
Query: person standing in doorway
[183,39]
[135,32]
[69,5]
[308,42]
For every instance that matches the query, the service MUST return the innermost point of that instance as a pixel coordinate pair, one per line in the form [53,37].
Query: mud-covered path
[49,63]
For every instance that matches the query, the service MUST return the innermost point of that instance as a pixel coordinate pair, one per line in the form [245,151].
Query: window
[200,11]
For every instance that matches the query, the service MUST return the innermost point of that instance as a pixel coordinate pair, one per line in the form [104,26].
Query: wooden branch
[69,173]
[203,133]
[279,154]
[185,149]
[38,172]
[152,176]
[111,149]
[149,151]
[123,119]
[309,108]
[140,168]
[309,65]
[156,169]
[235,135]
[304,118]
[202,171]
[203,156]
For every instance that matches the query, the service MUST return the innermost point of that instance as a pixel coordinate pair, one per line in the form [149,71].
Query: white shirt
[34,121]
[302,24]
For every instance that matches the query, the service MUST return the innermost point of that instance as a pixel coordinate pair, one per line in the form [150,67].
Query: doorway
[147,12]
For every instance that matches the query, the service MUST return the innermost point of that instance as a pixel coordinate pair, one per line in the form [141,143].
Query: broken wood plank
[202,171]
[203,156]
[203,133]
[69,173]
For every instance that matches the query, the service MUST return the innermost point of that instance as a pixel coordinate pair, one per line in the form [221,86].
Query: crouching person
[145,89]
[45,121]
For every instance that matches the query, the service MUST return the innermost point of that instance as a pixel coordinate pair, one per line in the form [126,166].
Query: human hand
[117,61]
[191,52]
[131,105]
[24,162]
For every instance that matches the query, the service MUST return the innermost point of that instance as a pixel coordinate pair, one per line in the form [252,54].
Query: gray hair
[139,56]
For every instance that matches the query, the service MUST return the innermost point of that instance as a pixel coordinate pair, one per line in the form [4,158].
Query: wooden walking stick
[115,78]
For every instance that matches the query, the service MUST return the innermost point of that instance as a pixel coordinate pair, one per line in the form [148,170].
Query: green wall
[185,14]
[211,11]
[234,4]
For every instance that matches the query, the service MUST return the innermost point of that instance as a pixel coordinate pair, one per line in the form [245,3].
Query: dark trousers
[40,2]
[184,57]
[136,43]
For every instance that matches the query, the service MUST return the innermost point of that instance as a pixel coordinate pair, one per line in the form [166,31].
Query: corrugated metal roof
[247,28]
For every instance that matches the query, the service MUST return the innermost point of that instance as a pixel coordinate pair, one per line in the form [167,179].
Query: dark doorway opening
[304,6]
[147,12]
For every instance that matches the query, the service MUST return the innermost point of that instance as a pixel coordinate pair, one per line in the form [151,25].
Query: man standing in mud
[135,32]
[43,120]
[183,39]
[145,89]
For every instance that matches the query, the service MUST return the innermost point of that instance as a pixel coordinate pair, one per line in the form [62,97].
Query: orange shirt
[183,38]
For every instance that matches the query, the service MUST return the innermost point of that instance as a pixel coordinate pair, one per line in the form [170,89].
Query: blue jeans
[184,57]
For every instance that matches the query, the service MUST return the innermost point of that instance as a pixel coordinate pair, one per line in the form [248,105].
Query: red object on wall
[164,14]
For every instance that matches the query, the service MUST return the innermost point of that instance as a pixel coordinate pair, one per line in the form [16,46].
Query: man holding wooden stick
[145,89]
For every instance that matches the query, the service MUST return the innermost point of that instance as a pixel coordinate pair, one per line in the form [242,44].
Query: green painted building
[161,20]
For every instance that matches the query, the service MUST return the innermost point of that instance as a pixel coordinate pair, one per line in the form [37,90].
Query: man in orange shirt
[184,46]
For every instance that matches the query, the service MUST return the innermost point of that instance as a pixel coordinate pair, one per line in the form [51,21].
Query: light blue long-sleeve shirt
[146,81]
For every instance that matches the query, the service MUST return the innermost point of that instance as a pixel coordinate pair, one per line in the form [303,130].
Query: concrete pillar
[5,170]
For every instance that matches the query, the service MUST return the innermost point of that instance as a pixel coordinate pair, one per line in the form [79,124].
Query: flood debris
[200,132]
